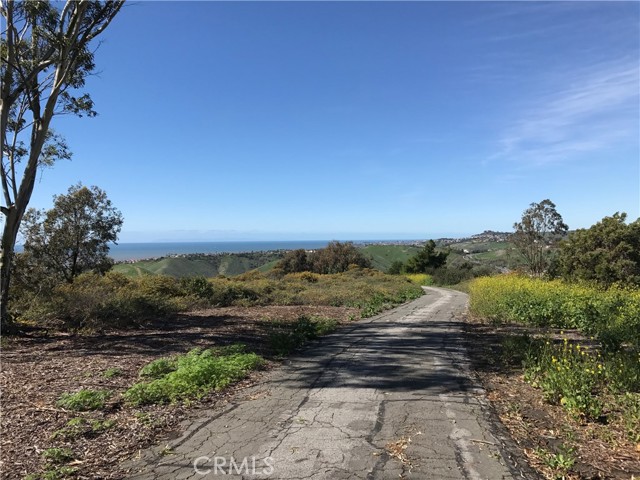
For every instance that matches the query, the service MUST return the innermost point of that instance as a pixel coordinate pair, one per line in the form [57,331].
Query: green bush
[84,400]
[607,253]
[109,301]
[195,374]
[613,314]
[337,257]
[197,286]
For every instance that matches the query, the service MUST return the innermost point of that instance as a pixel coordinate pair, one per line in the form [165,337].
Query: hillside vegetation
[114,300]
[231,264]
[200,264]
[383,256]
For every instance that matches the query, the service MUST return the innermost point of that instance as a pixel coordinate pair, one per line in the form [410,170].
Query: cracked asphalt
[384,398]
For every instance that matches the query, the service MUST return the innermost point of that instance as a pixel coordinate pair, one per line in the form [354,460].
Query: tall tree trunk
[9,235]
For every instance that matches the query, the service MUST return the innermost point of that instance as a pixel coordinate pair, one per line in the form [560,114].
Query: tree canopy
[74,235]
[427,259]
[539,230]
[46,55]
[607,253]
[334,258]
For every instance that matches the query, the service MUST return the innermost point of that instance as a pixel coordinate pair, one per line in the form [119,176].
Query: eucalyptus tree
[535,235]
[45,57]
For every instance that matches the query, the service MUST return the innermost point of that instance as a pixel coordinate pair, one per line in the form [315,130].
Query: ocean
[139,251]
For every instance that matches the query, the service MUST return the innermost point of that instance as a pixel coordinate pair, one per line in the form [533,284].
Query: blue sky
[358,120]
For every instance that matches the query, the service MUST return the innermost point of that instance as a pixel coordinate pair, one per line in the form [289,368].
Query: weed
[158,368]
[612,315]
[84,400]
[420,278]
[112,372]
[77,427]
[193,375]
[53,473]
[630,415]
[560,463]
[58,455]
[568,375]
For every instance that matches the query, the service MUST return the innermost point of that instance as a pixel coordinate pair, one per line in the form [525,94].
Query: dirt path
[388,397]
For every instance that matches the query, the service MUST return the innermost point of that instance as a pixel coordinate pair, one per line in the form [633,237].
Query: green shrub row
[115,301]
[612,314]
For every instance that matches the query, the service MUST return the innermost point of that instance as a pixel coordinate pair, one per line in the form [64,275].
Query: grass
[84,400]
[191,375]
[199,264]
[112,372]
[382,256]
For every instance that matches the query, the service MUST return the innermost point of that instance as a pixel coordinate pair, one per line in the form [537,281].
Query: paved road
[389,397]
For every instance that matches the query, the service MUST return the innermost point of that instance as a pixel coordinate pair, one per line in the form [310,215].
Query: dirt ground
[37,368]
[601,451]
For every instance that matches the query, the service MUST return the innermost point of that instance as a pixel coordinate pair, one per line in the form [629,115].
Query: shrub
[112,300]
[420,278]
[613,314]
[396,268]
[197,286]
[115,301]
[84,400]
[607,253]
[427,259]
[294,261]
[337,257]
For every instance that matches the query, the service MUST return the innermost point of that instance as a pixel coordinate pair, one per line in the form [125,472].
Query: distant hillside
[382,256]
[200,264]
[488,248]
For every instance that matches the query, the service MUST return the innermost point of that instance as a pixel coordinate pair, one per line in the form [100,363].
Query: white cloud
[581,111]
